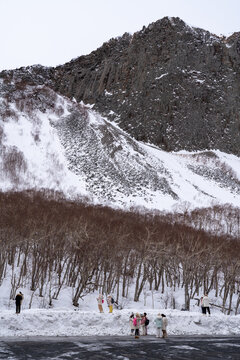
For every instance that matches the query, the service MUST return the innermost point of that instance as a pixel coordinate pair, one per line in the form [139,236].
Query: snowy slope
[48,141]
[31,155]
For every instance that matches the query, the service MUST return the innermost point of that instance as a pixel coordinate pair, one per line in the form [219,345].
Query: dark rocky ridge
[195,106]
[169,84]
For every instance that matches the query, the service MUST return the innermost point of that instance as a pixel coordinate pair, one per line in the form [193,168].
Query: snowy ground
[63,319]
[64,322]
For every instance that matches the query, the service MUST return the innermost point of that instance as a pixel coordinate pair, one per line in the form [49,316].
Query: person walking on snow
[100,302]
[158,322]
[164,326]
[18,300]
[136,323]
[206,307]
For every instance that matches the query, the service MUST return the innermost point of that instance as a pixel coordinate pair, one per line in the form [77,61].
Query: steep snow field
[37,156]
[48,141]
[198,177]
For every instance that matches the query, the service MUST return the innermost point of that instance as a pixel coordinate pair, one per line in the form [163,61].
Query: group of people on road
[139,324]
[204,303]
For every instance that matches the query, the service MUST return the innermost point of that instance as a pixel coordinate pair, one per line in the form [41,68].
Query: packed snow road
[120,348]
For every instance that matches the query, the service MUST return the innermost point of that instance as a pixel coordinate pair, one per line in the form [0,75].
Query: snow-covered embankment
[60,322]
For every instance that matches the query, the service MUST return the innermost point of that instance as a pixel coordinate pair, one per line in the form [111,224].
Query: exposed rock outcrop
[169,84]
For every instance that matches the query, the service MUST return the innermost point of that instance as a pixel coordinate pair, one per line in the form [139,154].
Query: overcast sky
[51,32]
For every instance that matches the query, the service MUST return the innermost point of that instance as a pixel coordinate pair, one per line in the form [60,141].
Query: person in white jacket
[206,307]
[100,302]
[131,317]
[164,325]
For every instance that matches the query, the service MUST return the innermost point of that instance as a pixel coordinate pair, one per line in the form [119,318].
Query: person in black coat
[18,299]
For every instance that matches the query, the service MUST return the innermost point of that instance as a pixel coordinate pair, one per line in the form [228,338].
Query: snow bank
[63,322]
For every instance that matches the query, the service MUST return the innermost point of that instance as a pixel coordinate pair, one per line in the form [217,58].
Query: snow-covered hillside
[48,141]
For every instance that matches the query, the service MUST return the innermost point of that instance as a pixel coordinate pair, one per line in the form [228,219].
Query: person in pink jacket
[136,324]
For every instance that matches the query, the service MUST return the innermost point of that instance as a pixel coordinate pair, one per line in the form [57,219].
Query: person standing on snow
[158,322]
[110,303]
[206,307]
[100,302]
[18,300]
[164,326]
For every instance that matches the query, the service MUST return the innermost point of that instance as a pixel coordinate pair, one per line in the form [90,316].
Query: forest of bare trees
[48,243]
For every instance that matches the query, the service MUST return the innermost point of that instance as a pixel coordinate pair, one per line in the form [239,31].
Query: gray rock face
[169,84]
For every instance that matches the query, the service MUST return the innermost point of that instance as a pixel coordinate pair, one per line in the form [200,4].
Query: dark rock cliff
[169,84]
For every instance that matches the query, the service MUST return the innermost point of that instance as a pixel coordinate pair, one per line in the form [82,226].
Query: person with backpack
[146,323]
[110,302]
[100,302]
[164,326]
[158,322]
[136,324]
[143,324]
[18,299]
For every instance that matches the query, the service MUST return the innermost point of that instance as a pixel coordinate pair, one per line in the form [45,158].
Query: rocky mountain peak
[169,84]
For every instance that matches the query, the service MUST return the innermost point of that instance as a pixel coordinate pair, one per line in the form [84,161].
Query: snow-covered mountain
[48,141]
